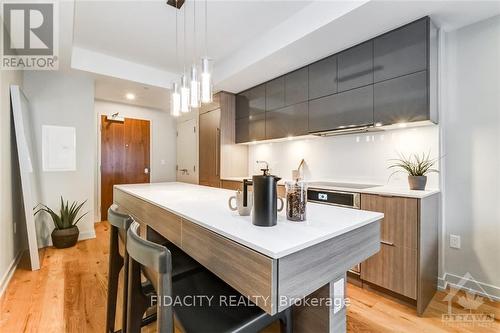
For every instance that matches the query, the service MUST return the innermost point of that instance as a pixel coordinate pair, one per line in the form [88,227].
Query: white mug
[242,210]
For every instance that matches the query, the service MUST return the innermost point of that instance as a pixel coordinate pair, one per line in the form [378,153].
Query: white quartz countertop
[389,190]
[208,207]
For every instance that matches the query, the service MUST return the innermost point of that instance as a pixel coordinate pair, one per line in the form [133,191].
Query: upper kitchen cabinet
[252,128]
[401,100]
[401,51]
[351,108]
[355,66]
[296,86]
[275,93]
[251,102]
[287,121]
[323,77]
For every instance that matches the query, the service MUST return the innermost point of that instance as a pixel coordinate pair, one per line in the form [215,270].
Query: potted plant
[66,231]
[417,167]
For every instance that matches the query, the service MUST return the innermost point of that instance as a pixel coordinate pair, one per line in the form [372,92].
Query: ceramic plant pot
[417,182]
[63,238]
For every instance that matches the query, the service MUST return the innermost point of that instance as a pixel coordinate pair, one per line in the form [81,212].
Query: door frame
[97,204]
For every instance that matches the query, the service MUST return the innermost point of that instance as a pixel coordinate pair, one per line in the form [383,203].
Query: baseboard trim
[4,282]
[467,283]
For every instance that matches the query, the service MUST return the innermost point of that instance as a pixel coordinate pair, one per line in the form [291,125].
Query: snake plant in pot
[66,231]
[417,167]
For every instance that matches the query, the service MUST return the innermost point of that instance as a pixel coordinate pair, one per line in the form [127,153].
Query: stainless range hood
[348,130]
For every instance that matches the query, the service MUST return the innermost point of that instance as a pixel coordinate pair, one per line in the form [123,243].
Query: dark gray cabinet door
[252,128]
[251,101]
[403,99]
[296,86]
[275,93]
[402,51]
[346,109]
[323,77]
[355,66]
[287,121]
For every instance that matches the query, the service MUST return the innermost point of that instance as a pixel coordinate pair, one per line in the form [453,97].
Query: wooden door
[209,136]
[125,154]
[187,154]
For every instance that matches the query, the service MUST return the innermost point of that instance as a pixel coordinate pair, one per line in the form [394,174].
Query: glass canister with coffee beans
[296,200]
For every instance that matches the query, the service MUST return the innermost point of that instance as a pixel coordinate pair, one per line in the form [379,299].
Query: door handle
[146,171]
[386,243]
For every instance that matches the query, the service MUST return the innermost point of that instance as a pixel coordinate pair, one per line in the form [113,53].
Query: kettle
[265,197]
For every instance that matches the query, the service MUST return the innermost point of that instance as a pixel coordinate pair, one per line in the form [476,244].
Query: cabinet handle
[217,152]
[386,243]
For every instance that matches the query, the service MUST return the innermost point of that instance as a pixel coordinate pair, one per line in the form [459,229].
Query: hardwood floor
[68,294]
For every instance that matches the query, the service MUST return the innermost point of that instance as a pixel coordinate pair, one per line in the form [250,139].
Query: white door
[187,151]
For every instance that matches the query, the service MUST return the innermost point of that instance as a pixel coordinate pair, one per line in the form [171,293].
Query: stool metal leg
[137,308]
[115,265]
[286,321]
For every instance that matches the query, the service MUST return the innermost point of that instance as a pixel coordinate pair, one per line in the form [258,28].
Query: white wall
[356,157]
[12,240]
[65,99]
[471,142]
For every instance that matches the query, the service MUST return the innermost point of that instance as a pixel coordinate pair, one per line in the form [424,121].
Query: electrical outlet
[455,241]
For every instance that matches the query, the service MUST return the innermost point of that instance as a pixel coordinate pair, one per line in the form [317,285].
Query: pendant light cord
[184,56]
[194,32]
[176,38]
[206,28]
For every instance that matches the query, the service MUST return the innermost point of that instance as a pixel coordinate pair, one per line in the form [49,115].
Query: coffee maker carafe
[265,198]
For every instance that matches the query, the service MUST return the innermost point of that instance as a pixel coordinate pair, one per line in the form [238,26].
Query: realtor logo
[29,36]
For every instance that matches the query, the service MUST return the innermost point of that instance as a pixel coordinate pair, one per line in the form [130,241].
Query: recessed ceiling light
[130,96]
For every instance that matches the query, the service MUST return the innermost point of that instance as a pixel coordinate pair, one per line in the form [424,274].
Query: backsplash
[362,158]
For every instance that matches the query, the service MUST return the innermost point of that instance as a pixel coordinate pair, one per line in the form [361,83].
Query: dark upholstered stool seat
[217,316]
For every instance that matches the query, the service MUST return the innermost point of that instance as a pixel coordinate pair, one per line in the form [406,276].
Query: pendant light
[206,76]
[175,97]
[175,101]
[195,82]
[184,82]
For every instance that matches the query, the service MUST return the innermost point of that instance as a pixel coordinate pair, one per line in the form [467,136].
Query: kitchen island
[273,266]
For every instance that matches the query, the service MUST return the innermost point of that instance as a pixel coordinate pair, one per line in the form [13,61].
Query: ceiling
[144,31]
[131,44]
[116,90]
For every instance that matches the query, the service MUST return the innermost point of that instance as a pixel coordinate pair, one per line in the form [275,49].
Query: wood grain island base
[275,267]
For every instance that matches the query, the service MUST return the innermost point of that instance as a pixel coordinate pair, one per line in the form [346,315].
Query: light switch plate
[455,241]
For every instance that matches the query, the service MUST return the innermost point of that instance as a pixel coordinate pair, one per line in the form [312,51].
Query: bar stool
[203,318]
[120,223]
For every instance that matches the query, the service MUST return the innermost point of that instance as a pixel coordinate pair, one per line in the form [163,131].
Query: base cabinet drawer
[393,268]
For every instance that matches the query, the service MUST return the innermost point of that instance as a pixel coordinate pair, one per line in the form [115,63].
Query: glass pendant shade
[195,88]
[175,101]
[206,82]
[184,94]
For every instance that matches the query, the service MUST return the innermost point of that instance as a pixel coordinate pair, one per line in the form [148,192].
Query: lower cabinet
[407,263]
[393,268]
[287,121]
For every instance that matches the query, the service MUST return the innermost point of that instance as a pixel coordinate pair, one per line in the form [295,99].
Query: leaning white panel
[30,181]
